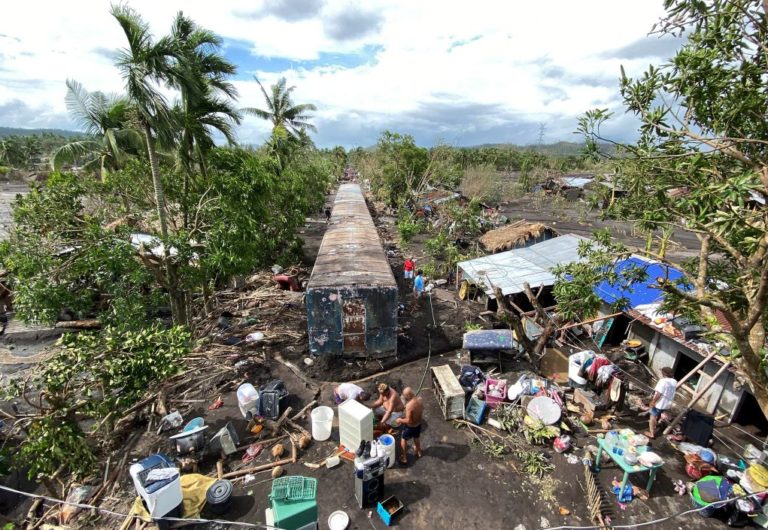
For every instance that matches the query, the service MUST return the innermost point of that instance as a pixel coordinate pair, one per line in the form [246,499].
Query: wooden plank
[449,383]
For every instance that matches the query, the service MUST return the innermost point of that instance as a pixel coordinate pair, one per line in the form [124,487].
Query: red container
[501,388]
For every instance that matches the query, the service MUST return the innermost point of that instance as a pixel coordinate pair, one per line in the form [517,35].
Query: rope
[135,516]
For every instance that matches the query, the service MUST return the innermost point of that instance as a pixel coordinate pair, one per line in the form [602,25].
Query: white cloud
[512,63]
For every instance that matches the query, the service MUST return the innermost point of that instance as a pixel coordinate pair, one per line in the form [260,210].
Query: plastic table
[628,470]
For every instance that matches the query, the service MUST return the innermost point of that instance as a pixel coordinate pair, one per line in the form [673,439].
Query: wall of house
[663,351]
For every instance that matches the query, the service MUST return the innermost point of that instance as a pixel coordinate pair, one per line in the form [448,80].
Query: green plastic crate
[294,488]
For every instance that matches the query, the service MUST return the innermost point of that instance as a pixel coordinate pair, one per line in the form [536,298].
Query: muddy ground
[454,485]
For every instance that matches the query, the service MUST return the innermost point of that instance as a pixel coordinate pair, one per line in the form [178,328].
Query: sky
[456,72]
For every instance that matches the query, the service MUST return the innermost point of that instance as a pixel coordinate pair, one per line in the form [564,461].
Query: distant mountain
[18,131]
[555,149]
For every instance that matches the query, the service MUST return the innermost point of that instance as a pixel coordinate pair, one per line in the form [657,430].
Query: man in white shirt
[663,396]
[347,391]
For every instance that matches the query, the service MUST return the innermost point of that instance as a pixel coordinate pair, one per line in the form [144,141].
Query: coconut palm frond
[69,153]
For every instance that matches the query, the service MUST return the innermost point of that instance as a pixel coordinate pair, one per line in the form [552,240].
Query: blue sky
[456,72]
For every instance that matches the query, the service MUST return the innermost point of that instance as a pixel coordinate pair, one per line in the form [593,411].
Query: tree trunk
[157,184]
[177,298]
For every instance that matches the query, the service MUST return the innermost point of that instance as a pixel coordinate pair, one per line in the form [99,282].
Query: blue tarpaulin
[638,293]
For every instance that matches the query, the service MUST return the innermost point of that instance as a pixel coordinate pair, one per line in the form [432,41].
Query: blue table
[628,470]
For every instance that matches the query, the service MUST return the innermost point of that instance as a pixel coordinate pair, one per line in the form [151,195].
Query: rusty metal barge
[352,296]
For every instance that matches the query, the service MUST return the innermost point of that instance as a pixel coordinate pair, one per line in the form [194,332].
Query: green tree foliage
[105,119]
[700,165]
[93,375]
[254,213]
[400,165]
[62,259]
[284,114]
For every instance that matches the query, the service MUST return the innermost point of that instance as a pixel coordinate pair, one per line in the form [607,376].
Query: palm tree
[104,118]
[282,112]
[206,104]
[146,64]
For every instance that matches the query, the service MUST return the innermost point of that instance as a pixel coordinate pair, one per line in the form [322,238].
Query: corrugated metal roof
[510,270]
[639,293]
[351,252]
[576,182]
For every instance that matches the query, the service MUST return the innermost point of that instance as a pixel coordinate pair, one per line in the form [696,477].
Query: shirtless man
[388,405]
[411,422]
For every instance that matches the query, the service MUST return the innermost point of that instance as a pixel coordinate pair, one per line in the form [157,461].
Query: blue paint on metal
[325,319]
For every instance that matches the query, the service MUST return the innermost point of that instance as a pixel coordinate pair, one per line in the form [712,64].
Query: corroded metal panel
[353,325]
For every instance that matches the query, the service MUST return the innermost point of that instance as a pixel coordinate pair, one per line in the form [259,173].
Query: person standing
[663,396]
[411,422]
[418,284]
[408,266]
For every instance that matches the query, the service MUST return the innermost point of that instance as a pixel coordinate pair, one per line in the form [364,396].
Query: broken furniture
[627,468]
[161,497]
[389,508]
[448,392]
[293,504]
[486,346]
[355,424]
[225,441]
[587,399]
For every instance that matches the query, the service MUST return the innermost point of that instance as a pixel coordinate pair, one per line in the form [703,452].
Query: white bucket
[387,441]
[322,423]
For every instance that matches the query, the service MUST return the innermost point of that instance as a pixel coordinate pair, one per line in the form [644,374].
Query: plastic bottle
[374,449]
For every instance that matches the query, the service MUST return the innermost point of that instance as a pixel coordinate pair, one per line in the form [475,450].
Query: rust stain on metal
[351,252]
[353,327]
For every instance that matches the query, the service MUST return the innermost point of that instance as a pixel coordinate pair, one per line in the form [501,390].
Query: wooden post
[697,397]
[695,370]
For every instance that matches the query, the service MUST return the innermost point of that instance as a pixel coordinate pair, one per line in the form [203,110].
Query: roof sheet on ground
[510,270]
[638,293]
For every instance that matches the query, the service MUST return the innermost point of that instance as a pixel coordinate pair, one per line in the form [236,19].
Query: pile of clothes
[586,368]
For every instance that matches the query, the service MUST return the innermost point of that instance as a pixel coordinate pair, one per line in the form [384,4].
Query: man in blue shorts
[411,422]
[663,396]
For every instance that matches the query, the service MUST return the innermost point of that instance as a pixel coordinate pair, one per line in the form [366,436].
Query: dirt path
[8,193]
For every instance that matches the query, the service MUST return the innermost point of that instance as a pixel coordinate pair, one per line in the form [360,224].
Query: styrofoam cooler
[355,424]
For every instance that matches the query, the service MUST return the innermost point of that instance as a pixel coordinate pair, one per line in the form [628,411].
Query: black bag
[698,427]
[471,377]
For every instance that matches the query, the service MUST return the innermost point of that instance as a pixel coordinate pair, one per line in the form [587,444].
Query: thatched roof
[513,235]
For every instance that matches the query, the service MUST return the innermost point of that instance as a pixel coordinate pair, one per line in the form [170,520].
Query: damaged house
[509,271]
[662,340]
